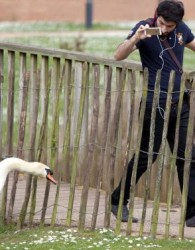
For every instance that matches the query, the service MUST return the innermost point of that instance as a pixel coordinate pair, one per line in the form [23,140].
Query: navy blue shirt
[151,48]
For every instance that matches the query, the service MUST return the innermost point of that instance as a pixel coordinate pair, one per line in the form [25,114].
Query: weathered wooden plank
[55,140]
[10,101]
[187,164]
[71,55]
[91,146]
[66,127]
[114,142]
[150,151]
[4,193]
[76,144]
[10,106]
[1,98]
[45,83]
[129,143]
[155,212]
[21,136]
[103,141]
[137,151]
[34,105]
[173,159]
[53,135]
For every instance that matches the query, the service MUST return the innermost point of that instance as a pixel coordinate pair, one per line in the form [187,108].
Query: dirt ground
[62,208]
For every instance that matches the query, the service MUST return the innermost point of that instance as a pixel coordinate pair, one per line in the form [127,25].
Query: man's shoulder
[149,21]
[182,23]
[184,28]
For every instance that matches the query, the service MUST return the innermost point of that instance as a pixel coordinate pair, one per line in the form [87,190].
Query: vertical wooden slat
[127,152]
[45,91]
[4,193]
[68,104]
[150,151]
[173,159]
[45,83]
[89,160]
[119,154]
[113,143]
[55,137]
[10,101]
[135,165]
[107,104]
[21,136]
[43,140]
[22,72]
[155,212]
[1,98]
[76,144]
[83,151]
[187,164]
[55,125]
[84,131]
[10,105]
[117,87]
[34,104]
[55,79]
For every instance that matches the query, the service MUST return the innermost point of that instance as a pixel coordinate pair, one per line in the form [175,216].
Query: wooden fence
[78,114]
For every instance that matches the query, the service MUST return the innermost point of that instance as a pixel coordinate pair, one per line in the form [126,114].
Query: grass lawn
[103,46]
[70,239]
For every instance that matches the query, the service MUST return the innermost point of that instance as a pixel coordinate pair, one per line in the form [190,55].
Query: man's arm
[128,46]
[191,45]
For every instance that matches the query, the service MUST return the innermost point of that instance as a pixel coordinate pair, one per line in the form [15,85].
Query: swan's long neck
[13,163]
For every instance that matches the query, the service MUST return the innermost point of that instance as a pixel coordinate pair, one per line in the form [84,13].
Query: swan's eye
[49,175]
[49,171]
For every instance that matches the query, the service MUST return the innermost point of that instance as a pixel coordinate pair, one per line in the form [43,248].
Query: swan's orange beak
[50,178]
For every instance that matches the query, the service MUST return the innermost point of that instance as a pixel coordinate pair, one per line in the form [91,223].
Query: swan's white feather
[13,163]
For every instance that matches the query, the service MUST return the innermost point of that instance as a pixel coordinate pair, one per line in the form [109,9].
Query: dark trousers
[143,157]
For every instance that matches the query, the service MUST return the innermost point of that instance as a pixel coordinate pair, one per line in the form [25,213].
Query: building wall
[74,10]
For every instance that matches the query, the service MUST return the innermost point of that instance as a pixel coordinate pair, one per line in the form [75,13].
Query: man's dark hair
[171,10]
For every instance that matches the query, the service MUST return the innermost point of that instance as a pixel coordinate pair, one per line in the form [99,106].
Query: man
[154,55]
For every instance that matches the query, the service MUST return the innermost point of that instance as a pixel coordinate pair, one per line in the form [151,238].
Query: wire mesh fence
[83,116]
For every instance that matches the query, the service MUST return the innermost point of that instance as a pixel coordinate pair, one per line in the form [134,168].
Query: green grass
[100,46]
[97,46]
[70,239]
[59,26]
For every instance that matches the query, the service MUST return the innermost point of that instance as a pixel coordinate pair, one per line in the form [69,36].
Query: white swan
[34,168]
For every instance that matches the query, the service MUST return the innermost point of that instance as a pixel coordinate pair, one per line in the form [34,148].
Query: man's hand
[141,32]
[128,46]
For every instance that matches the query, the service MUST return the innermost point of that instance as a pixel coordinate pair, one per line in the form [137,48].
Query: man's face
[166,27]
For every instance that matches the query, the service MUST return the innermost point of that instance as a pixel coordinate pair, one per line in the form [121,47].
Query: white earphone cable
[161,110]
